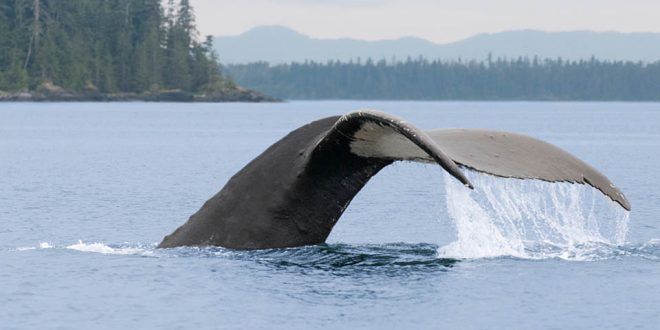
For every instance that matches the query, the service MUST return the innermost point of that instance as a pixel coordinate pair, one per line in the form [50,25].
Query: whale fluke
[296,190]
[512,155]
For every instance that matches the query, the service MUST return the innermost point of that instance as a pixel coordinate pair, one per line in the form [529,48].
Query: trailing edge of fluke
[296,190]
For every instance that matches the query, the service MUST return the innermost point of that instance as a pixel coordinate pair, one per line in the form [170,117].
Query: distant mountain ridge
[278,44]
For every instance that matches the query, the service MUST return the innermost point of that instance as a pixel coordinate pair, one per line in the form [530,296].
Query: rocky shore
[48,92]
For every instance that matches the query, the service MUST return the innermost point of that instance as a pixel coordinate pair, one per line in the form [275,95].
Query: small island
[96,50]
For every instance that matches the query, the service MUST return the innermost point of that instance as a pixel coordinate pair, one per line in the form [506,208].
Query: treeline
[104,45]
[421,79]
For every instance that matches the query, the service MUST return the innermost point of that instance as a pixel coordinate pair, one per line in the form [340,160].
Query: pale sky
[439,21]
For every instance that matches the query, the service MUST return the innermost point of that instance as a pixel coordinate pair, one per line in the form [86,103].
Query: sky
[439,21]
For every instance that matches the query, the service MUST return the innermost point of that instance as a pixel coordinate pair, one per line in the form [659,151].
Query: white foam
[42,245]
[102,248]
[653,241]
[531,219]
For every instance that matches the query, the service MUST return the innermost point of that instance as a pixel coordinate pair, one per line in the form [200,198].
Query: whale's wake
[531,219]
[107,249]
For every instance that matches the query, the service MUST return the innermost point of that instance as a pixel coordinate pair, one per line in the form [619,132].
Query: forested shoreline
[108,50]
[151,50]
[421,79]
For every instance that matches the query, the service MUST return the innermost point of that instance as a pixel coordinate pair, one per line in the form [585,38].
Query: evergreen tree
[107,45]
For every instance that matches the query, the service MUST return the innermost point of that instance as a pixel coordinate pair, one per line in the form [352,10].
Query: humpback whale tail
[296,190]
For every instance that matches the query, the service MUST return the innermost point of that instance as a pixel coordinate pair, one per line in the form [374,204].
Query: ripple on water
[348,257]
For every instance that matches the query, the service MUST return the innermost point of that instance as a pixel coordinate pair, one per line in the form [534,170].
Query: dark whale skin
[288,196]
[296,190]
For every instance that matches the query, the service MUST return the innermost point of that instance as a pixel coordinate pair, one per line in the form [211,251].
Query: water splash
[42,245]
[531,219]
[106,249]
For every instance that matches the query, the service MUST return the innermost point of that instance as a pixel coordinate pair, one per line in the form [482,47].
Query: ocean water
[87,190]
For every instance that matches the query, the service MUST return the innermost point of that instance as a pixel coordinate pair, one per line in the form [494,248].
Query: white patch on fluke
[375,140]
[531,219]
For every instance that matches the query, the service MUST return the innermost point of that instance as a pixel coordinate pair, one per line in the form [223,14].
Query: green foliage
[106,45]
[420,79]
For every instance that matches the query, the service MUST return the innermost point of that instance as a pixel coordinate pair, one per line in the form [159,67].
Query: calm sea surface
[88,189]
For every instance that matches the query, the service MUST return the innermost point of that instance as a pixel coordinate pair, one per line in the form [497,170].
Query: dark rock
[171,96]
[49,92]
[22,96]
[237,94]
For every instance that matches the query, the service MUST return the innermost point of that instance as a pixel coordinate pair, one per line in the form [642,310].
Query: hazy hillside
[276,44]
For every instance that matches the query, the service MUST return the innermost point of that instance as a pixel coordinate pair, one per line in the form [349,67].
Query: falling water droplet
[530,219]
